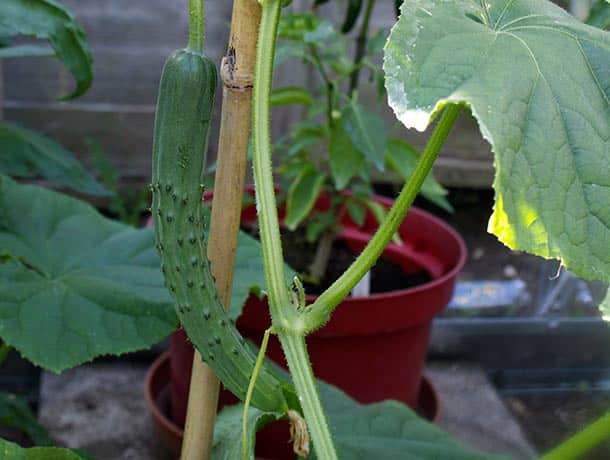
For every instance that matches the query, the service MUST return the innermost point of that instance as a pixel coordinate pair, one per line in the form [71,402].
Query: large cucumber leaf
[388,430]
[28,154]
[228,428]
[75,285]
[11,451]
[538,83]
[49,20]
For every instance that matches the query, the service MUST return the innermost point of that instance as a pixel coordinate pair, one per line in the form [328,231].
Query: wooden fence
[130,41]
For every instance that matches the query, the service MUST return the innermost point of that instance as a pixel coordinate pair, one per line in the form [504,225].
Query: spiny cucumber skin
[184,109]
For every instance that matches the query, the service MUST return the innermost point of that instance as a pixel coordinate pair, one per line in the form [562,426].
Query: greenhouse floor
[100,408]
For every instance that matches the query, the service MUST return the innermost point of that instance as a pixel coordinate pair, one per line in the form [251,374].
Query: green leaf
[376,42]
[25,50]
[379,212]
[322,34]
[294,26]
[249,272]
[287,50]
[387,430]
[228,431]
[402,158]
[356,211]
[16,413]
[28,154]
[288,95]
[547,119]
[302,195]
[600,14]
[49,20]
[319,223]
[367,132]
[93,286]
[345,160]
[11,451]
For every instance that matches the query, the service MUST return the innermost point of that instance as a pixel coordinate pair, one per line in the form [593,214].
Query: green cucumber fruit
[184,112]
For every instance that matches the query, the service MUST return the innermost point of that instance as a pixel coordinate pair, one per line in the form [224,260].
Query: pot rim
[161,421]
[434,282]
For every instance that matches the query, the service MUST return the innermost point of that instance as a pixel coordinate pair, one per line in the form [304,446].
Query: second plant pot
[374,347]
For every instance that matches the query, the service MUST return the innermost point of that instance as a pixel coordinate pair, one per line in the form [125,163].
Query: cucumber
[184,112]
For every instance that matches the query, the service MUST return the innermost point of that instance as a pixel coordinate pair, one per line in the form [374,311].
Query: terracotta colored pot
[383,336]
[157,388]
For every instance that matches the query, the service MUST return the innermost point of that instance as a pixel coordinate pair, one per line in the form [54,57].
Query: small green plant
[341,141]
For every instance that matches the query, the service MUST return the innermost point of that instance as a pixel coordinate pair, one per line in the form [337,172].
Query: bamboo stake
[236,72]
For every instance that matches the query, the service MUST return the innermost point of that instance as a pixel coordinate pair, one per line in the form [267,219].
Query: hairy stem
[286,318]
[302,375]
[273,257]
[196,25]
[319,312]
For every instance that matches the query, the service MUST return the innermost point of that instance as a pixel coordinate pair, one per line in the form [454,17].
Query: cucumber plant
[443,56]
[547,120]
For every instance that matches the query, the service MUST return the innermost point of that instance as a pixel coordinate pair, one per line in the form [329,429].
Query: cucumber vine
[290,322]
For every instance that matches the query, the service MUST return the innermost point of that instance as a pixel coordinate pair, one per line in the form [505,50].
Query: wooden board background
[130,41]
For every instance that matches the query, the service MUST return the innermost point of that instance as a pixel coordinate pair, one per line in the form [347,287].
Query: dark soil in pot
[386,276]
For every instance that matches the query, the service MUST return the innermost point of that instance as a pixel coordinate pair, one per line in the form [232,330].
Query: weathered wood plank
[130,41]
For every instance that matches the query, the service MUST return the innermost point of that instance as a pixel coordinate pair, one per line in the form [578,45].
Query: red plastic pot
[383,337]
[157,392]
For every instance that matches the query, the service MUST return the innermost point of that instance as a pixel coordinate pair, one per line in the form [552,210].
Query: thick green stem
[581,443]
[196,25]
[273,257]
[319,312]
[285,315]
[361,43]
[302,375]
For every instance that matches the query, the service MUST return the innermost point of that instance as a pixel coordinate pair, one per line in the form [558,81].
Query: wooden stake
[237,70]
